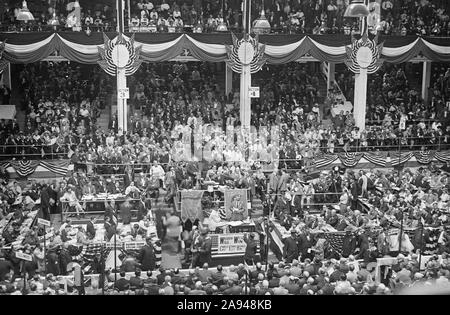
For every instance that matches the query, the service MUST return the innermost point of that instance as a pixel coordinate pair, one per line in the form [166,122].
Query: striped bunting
[377,158]
[325,160]
[424,157]
[56,167]
[442,156]
[350,159]
[5,165]
[400,158]
[431,243]
[24,168]
[222,213]
[276,244]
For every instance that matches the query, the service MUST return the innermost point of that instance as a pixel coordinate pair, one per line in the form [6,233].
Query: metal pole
[102,266]
[115,257]
[244,17]
[45,252]
[401,232]
[24,278]
[249,28]
[118,15]
[421,245]
[129,14]
[267,242]
[246,282]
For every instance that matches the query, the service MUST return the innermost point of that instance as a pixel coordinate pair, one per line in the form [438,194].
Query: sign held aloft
[23,256]
[43,222]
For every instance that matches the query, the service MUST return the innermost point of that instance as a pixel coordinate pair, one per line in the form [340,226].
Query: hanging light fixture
[261,24]
[24,13]
[357,9]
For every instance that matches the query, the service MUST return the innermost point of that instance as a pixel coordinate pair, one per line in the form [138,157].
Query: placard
[124,94]
[253,91]
[230,244]
[43,222]
[24,256]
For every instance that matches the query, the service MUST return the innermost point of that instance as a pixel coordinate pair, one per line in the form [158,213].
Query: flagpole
[45,252]
[401,232]
[115,257]
[421,242]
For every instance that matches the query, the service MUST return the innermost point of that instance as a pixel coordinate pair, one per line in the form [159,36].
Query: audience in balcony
[426,17]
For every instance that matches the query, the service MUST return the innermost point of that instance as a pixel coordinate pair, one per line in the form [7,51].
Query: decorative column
[120,58]
[426,77]
[122,104]
[363,58]
[245,56]
[5,67]
[359,108]
[331,69]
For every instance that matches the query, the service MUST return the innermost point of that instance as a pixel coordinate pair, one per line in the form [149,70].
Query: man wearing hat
[205,247]
[250,249]
[147,257]
[290,247]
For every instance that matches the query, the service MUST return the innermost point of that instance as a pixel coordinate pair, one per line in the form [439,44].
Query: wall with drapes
[32,47]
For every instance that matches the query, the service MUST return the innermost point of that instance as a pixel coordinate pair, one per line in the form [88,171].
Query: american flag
[57,167]
[336,240]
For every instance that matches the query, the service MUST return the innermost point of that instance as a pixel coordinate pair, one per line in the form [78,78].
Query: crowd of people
[62,102]
[426,17]
[177,109]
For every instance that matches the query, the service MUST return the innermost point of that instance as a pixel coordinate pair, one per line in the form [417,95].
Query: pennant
[191,205]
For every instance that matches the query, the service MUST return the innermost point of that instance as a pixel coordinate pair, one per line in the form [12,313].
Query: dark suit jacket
[45,198]
[136,282]
[303,244]
[290,249]
[122,284]
[147,258]
[90,229]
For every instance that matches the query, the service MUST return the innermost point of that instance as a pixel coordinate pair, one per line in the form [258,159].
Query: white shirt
[157,171]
